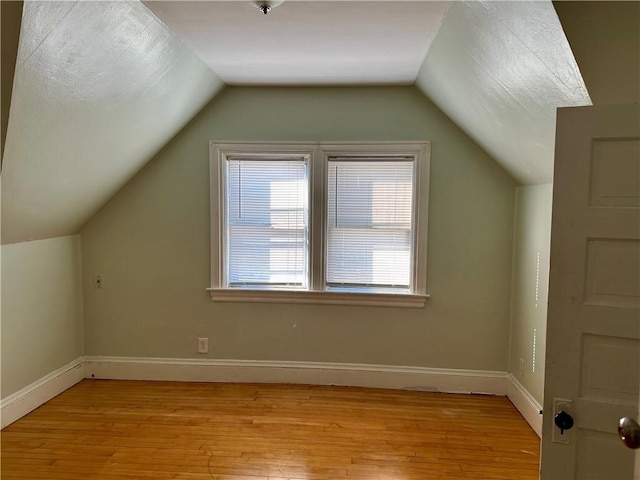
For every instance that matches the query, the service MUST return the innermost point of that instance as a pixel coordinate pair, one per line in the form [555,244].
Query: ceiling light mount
[265,6]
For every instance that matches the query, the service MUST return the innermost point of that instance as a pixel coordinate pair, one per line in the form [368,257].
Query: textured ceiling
[301,43]
[500,70]
[99,88]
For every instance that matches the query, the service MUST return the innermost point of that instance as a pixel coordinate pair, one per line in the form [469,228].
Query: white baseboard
[32,396]
[528,407]
[347,374]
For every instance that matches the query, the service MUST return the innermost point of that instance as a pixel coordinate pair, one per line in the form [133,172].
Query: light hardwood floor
[109,430]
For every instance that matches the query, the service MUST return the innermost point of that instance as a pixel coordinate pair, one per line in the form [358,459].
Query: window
[266,229]
[319,223]
[369,222]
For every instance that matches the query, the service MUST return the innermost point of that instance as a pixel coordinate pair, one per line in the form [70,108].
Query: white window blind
[369,224]
[267,223]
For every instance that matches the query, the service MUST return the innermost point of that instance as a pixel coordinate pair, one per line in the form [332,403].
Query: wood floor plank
[124,430]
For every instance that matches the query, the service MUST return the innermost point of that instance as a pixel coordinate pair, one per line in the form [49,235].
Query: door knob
[563,421]
[629,432]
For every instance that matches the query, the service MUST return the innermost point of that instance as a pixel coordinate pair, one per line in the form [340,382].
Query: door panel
[593,330]
[615,173]
[609,380]
[610,273]
[593,445]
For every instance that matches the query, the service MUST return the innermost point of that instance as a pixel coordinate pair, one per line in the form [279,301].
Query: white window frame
[318,154]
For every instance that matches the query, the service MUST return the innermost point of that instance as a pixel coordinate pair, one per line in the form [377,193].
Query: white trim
[29,398]
[443,380]
[528,407]
[421,154]
[257,371]
[326,298]
[219,153]
[317,154]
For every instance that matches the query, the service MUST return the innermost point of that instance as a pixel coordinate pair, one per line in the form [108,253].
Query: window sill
[407,300]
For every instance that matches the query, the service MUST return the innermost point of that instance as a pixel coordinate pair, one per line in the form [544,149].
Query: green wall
[41,309]
[151,245]
[531,286]
[605,40]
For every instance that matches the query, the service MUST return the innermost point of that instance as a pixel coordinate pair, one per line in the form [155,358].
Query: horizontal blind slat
[267,218]
[369,223]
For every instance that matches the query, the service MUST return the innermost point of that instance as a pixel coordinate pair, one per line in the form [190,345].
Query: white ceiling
[99,88]
[304,42]
[500,70]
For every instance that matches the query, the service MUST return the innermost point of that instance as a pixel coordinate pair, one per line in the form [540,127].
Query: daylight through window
[324,223]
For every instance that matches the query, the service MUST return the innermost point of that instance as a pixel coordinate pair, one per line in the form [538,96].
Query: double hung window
[319,223]
[266,228]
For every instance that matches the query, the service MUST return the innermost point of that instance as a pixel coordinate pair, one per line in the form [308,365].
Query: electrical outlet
[97,281]
[203,345]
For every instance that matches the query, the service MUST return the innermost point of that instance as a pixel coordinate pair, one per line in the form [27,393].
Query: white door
[637,470]
[593,329]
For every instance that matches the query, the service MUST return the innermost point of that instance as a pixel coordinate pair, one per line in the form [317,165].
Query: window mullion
[317,193]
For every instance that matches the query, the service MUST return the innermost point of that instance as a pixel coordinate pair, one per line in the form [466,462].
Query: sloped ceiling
[500,70]
[11,15]
[99,88]
[605,40]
